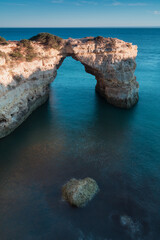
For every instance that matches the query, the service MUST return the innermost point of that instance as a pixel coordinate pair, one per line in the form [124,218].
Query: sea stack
[27,68]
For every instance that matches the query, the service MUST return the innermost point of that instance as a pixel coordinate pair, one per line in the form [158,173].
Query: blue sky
[79,13]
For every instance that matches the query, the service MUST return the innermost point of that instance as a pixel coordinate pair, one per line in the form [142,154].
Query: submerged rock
[79,192]
[132,226]
[126,221]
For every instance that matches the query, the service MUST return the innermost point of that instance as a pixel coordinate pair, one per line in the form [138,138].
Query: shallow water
[77,134]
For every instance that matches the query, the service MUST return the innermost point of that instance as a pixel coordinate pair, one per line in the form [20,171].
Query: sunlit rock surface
[25,85]
[79,192]
[112,61]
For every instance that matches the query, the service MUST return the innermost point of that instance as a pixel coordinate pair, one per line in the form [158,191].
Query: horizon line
[92,27]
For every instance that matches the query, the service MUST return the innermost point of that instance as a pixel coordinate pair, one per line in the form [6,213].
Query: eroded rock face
[112,62]
[79,192]
[25,85]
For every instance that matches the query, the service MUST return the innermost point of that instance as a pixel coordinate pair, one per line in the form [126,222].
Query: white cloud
[116,3]
[94,3]
[89,2]
[137,4]
[156,12]
[76,3]
[85,2]
[57,1]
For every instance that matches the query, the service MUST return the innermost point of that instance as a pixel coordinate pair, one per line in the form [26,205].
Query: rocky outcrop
[79,192]
[112,62]
[24,85]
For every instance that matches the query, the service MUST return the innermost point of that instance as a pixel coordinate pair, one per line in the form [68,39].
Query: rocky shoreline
[28,67]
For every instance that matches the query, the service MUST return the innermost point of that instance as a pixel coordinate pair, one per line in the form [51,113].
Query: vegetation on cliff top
[3,41]
[25,43]
[2,54]
[99,39]
[24,50]
[29,51]
[16,54]
[48,40]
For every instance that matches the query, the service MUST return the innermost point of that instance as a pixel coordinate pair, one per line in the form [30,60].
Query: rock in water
[79,192]
[132,226]
[126,221]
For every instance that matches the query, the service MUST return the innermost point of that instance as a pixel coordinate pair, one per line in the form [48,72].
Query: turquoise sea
[77,134]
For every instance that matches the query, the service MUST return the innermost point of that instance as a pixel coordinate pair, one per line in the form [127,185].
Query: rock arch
[112,62]
[25,85]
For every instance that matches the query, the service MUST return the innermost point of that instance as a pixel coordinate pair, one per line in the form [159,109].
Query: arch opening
[25,85]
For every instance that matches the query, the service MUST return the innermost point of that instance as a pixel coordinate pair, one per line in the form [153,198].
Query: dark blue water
[77,134]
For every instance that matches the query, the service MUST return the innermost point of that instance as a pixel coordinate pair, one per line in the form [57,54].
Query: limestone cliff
[27,70]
